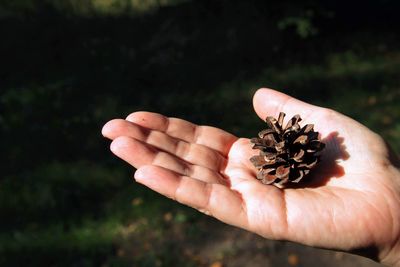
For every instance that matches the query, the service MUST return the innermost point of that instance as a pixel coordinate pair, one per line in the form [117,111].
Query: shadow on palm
[328,168]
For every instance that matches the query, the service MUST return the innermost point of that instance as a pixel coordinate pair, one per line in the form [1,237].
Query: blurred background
[68,66]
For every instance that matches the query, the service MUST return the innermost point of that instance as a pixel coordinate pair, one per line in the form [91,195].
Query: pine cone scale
[298,157]
[265,132]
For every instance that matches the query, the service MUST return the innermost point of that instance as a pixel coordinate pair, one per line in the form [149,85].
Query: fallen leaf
[293,259]
[371,100]
[168,217]
[216,264]
[137,201]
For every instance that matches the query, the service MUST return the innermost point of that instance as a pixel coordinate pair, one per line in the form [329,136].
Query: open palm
[351,202]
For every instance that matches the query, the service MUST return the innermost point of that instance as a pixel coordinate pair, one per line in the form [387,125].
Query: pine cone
[286,154]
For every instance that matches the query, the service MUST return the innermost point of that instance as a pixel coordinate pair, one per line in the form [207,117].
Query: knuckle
[188,170]
[182,149]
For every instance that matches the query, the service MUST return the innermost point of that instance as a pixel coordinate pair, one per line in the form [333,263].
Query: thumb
[268,102]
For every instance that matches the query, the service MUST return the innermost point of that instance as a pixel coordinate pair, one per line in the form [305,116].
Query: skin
[351,201]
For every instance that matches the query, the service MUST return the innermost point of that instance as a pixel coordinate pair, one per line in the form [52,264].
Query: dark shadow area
[328,168]
[370,252]
[66,75]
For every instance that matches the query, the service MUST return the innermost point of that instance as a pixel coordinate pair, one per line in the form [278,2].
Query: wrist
[392,257]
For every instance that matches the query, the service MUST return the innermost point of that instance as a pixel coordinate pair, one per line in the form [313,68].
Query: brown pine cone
[286,154]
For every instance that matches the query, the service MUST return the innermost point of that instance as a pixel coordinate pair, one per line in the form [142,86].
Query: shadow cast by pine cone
[328,168]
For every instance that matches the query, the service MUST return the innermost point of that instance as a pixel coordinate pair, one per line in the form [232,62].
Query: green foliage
[303,25]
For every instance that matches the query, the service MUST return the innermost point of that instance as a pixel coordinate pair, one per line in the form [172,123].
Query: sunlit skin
[351,201]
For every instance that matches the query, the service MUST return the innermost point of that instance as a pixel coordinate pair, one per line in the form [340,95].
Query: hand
[352,202]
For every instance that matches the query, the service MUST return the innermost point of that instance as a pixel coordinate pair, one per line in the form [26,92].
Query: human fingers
[212,137]
[190,152]
[212,199]
[138,154]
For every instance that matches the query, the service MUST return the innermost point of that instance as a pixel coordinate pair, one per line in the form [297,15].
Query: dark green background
[66,67]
